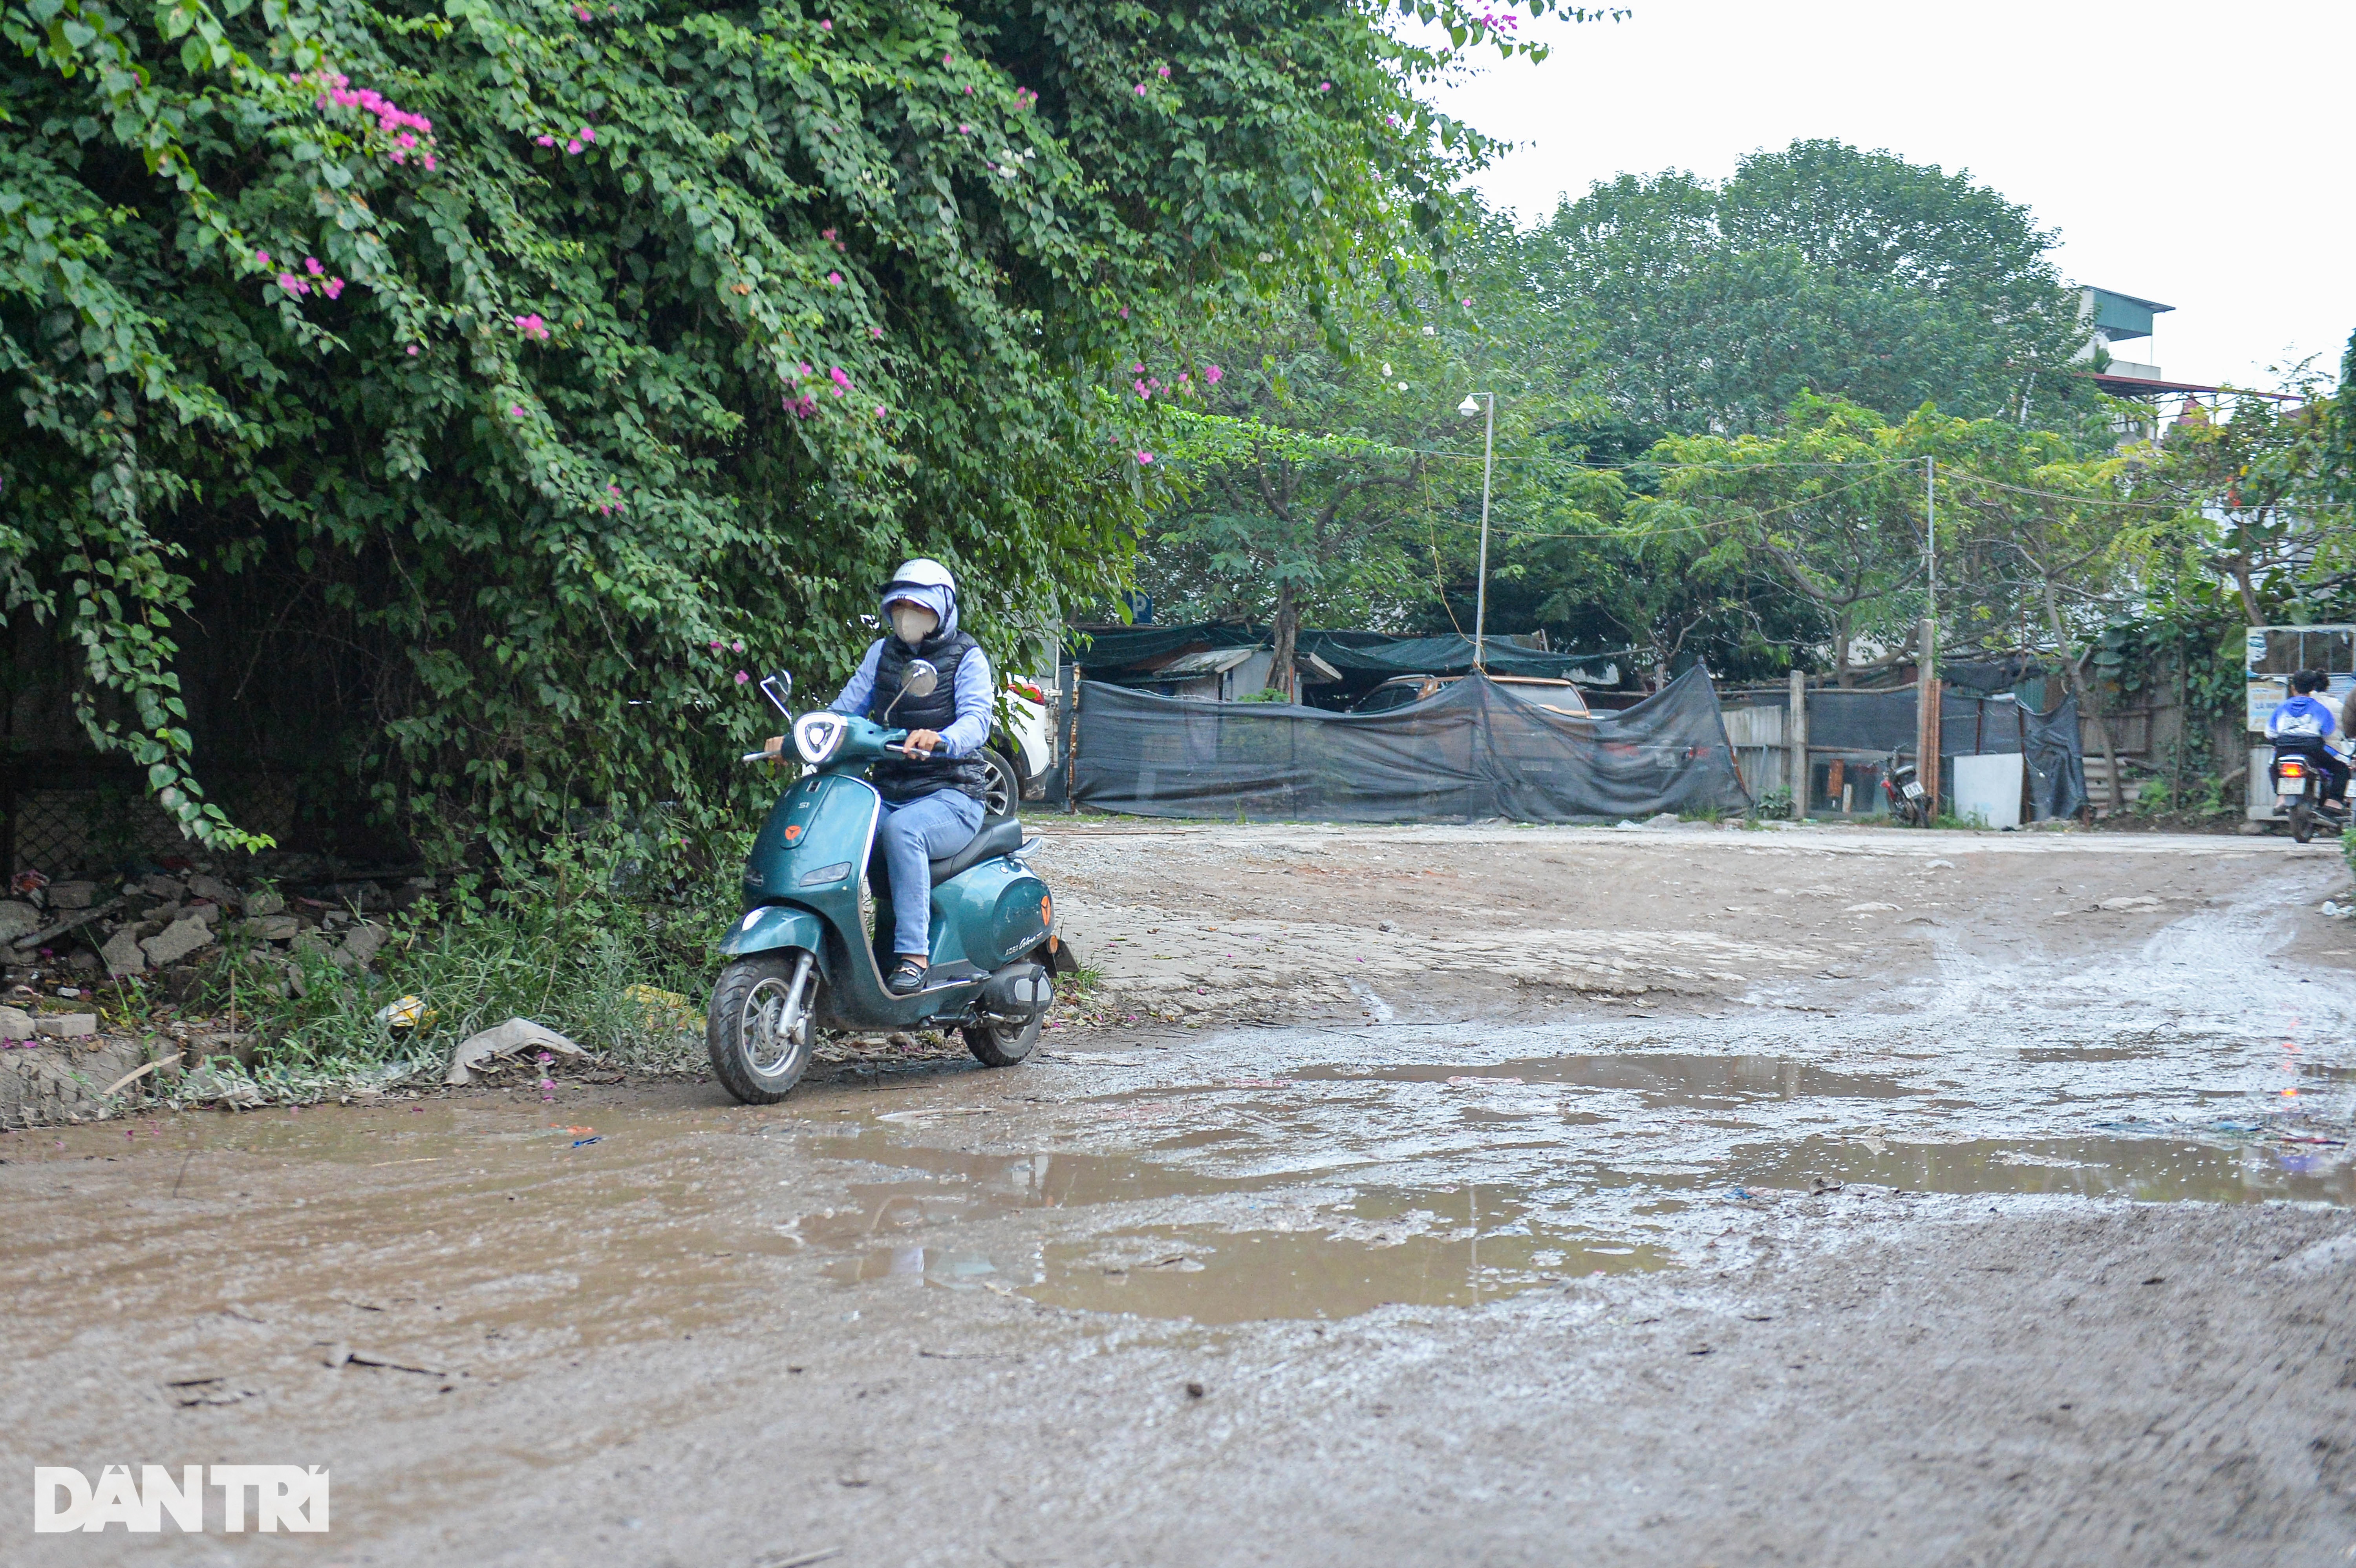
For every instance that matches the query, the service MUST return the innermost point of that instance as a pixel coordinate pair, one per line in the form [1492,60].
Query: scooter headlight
[818,736]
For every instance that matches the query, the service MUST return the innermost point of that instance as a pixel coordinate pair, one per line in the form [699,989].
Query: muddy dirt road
[1420,1196]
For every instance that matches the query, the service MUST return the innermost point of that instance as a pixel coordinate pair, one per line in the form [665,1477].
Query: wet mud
[1152,1250]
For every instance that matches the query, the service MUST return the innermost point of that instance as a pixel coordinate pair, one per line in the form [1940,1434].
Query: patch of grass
[1702,814]
[564,949]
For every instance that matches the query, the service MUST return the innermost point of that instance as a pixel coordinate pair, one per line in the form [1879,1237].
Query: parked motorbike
[810,951]
[1910,803]
[2298,789]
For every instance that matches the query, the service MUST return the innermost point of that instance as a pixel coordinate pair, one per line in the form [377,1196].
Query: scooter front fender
[771,926]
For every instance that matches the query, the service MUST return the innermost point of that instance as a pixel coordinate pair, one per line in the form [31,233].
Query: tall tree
[1824,269]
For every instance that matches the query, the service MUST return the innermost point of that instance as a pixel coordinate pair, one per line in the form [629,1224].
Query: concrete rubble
[163,928]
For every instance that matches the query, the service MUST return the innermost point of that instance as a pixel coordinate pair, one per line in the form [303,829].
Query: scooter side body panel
[990,915]
[769,927]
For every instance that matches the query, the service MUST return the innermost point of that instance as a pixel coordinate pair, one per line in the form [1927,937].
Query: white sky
[2191,153]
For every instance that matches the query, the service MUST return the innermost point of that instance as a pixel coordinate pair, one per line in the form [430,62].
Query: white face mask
[914,622]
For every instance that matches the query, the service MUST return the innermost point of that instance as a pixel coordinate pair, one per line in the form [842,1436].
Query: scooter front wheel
[762,1023]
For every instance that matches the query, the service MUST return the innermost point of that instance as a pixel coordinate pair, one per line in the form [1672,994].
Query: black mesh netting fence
[1968,726]
[1475,750]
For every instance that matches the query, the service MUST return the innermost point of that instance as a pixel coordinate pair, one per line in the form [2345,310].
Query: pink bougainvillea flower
[429,163]
[333,288]
[588,133]
[612,489]
[262,257]
[532,326]
[581,12]
[311,265]
[1140,89]
[1163,73]
[806,368]
[1124,312]
[965,130]
[715,645]
[838,376]
[293,285]
[827,234]
[834,280]
[879,410]
[516,411]
[874,332]
[826,26]
[737,647]
[1145,457]
[573,147]
[1210,373]
[947,59]
[742,678]
[545,140]
[413,350]
[1468,304]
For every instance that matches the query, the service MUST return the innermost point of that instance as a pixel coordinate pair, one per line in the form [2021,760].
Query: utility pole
[1926,683]
[1468,408]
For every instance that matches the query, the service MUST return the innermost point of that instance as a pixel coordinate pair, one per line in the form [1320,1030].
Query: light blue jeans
[914,835]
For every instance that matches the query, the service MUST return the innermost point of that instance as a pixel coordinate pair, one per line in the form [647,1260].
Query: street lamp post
[1472,405]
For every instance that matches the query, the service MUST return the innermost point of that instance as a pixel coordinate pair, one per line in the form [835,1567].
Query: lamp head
[1470,406]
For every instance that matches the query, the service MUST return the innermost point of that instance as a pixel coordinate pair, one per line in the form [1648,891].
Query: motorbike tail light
[1024,688]
[2294,770]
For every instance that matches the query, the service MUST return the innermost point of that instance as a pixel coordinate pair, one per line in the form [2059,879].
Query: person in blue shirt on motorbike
[2303,724]
[933,796]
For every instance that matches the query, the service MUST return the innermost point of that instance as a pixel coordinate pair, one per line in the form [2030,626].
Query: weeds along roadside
[581,944]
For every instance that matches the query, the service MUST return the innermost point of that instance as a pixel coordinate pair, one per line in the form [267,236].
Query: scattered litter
[2145,901]
[1873,1143]
[584,1142]
[515,1035]
[801,1559]
[407,1012]
[137,1072]
[342,1354]
[2338,911]
[1940,866]
[190,1393]
[1870,909]
[911,1117]
[664,1009]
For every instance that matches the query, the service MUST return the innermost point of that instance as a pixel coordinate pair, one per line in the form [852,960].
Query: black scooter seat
[1000,838]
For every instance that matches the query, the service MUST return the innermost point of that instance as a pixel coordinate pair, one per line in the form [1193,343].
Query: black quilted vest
[904,779]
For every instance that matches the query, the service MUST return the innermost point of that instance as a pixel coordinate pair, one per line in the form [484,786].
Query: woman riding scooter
[2302,727]
[932,797]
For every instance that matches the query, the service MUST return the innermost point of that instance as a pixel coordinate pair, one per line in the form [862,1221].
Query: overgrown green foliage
[543,371]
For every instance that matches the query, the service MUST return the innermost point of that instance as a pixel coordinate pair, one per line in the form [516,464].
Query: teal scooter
[810,951]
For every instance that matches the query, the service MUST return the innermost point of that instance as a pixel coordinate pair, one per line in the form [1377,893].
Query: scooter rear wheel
[1000,1045]
[2302,821]
[758,1032]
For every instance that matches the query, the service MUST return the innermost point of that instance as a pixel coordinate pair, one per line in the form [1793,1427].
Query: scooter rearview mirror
[778,688]
[920,678]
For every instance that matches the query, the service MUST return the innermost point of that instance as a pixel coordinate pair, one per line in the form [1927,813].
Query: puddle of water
[1214,1277]
[2151,1171]
[1658,1078]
